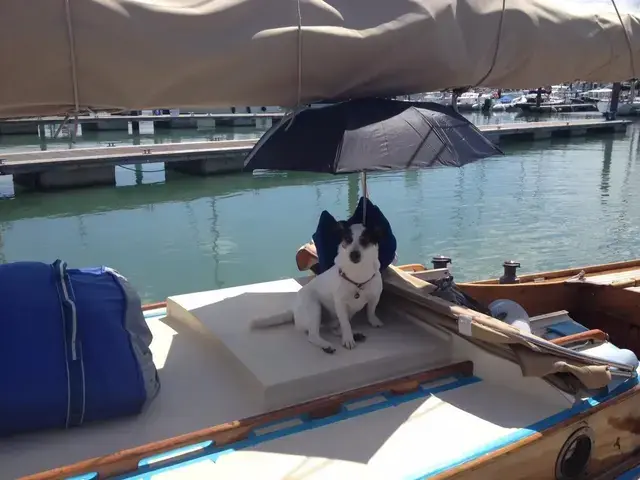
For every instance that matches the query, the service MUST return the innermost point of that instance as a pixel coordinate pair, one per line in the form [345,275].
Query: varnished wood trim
[413,267]
[582,337]
[475,465]
[569,272]
[153,306]
[632,282]
[126,461]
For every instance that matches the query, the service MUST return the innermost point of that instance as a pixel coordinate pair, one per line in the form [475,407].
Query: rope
[456,92]
[498,38]
[74,76]
[64,122]
[626,36]
[300,54]
[291,115]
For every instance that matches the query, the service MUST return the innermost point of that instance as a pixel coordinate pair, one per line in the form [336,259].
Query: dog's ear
[341,227]
[374,234]
[344,230]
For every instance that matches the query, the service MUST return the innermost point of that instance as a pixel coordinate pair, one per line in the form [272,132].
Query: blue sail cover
[74,347]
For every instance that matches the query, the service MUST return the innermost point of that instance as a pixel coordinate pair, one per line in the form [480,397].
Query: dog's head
[359,243]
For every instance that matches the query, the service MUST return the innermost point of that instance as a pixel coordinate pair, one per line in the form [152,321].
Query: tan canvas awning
[134,54]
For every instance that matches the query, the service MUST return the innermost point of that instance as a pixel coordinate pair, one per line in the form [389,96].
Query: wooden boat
[431,395]
[604,297]
[443,391]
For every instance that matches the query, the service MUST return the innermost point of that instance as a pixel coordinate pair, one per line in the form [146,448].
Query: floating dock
[35,125]
[558,108]
[82,167]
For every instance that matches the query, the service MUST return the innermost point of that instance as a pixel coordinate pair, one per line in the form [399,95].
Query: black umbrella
[370,135]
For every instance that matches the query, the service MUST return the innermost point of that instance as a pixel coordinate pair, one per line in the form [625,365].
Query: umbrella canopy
[370,135]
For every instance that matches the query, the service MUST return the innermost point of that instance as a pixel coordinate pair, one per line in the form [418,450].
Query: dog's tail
[272,321]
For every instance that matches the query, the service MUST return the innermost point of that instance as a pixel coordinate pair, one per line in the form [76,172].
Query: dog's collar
[358,285]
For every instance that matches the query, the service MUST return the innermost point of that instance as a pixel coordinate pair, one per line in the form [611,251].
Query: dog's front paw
[359,337]
[348,342]
[375,321]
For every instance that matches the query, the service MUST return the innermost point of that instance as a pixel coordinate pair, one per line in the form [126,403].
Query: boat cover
[74,347]
[59,55]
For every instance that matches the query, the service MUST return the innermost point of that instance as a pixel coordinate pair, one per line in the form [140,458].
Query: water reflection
[215,237]
[606,168]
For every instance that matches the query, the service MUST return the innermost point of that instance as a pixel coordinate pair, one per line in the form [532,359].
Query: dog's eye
[365,240]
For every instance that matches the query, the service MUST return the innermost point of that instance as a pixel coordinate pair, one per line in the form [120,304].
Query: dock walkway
[139,118]
[36,125]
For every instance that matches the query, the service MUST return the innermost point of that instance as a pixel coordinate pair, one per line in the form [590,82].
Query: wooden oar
[631,282]
[598,335]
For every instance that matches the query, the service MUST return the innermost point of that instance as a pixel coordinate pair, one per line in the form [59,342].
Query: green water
[547,204]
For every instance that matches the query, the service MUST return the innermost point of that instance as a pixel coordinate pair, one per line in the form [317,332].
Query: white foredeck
[408,441]
[281,367]
[202,387]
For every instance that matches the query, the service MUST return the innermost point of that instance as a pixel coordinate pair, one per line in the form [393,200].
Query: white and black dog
[353,282]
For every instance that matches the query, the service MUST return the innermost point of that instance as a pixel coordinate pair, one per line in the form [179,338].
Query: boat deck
[409,436]
[393,432]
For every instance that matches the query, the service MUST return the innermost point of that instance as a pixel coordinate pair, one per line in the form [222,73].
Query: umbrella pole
[365,194]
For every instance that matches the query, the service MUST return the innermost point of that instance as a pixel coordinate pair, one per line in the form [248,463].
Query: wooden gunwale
[126,461]
[562,275]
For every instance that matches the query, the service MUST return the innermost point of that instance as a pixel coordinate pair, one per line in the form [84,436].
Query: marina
[95,166]
[237,305]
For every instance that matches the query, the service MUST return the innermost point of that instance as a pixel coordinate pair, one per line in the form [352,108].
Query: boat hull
[524,450]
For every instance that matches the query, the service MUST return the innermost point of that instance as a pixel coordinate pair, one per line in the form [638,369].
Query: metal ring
[575,455]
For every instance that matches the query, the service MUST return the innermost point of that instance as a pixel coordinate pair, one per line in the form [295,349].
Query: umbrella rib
[417,150]
[442,140]
[444,146]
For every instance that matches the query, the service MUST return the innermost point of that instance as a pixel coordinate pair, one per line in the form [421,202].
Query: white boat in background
[472,100]
[230,110]
[628,104]
[509,102]
[597,95]
[626,107]
[442,98]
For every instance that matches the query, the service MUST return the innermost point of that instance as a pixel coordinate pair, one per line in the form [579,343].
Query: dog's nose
[355,256]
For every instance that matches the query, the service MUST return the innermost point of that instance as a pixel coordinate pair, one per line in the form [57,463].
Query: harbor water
[548,204]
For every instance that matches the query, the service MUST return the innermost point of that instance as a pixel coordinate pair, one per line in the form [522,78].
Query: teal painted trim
[155,313]
[178,452]
[85,476]
[211,452]
[633,474]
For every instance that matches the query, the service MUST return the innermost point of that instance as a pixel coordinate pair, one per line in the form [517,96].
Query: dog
[352,283]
